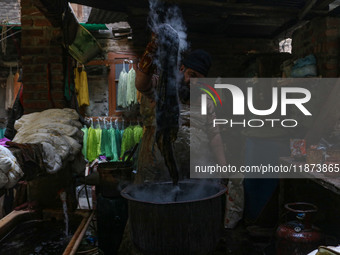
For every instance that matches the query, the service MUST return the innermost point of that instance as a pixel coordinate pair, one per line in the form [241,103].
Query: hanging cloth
[84,149]
[106,145]
[131,94]
[16,85]
[127,140]
[2,133]
[93,143]
[82,88]
[122,85]
[113,141]
[118,141]
[9,90]
[137,133]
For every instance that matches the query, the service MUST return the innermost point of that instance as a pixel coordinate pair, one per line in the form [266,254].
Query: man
[151,165]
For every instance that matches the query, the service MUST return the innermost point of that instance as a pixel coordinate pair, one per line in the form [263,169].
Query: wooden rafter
[308,6]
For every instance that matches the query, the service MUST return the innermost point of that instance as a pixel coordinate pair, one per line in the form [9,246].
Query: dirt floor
[246,240]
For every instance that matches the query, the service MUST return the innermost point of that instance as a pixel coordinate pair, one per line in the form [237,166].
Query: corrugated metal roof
[232,18]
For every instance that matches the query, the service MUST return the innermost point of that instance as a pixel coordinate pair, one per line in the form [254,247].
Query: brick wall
[9,12]
[41,44]
[321,38]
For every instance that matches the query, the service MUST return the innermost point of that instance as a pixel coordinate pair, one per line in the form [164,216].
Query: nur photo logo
[243,101]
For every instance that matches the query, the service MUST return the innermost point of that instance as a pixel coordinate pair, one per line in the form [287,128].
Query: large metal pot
[164,220]
[113,177]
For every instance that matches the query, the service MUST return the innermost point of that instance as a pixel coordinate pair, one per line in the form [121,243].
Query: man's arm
[214,135]
[218,149]
[146,69]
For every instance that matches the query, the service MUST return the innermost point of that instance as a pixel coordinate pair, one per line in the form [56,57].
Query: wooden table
[330,183]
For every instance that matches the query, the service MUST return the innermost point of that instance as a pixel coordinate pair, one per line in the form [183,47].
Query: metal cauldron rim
[313,207]
[124,193]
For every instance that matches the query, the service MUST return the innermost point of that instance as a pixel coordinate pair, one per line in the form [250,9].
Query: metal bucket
[185,222]
[113,177]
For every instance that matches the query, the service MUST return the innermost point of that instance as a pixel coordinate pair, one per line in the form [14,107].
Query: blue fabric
[258,191]
[2,132]
[306,61]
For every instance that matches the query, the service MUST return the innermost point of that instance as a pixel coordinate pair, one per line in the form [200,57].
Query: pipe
[73,245]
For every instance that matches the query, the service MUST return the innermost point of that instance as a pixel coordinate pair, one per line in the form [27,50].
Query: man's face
[184,89]
[189,73]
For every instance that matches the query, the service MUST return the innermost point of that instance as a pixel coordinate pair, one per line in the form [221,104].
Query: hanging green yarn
[85,135]
[113,141]
[93,143]
[137,133]
[106,145]
[127,141]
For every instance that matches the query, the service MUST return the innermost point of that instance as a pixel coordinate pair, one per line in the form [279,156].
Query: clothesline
[112,122]
[119,118]
[109,141]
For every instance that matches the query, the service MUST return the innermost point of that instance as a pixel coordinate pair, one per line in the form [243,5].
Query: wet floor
[36,237]
[242,241]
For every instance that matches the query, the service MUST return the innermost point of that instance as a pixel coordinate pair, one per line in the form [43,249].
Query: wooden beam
[287,29]
[308,6]
[242,7]
[236,6]
[323,4]
[271,22]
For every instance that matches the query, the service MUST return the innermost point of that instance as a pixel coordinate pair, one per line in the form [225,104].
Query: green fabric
[87,26]
[127,141]
[137,133]
[94,26]
[84,149]
[99,139]
[106,146]
[93,143]
[113,141]
[119,134]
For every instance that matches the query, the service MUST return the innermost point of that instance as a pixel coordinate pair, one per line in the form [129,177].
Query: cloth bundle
[59,132]
[10,172]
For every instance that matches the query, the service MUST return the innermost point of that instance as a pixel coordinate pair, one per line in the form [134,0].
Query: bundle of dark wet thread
[168,25]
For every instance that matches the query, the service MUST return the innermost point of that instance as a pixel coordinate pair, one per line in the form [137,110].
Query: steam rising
[158,16]
[166,193]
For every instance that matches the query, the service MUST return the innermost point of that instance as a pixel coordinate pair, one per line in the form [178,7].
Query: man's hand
[146,63]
